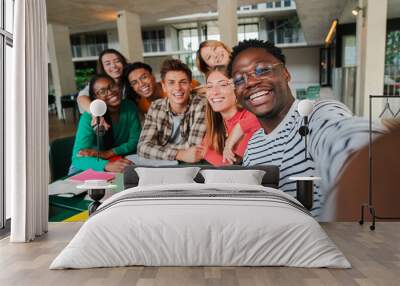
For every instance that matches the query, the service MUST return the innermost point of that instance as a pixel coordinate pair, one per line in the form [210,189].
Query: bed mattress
[201,225]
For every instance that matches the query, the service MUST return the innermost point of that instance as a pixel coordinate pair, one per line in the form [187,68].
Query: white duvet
[188,231]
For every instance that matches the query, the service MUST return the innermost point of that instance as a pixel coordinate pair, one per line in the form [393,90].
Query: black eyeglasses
[104,91]
[220,85]
[261,71]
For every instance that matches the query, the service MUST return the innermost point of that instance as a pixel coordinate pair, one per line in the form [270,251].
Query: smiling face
[107,91]
[142,82]
[215,56]
[265,95]
[220,93]
[112,65]
[177,86]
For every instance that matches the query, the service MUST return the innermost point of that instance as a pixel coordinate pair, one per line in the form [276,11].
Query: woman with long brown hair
[112,63]
[222,114]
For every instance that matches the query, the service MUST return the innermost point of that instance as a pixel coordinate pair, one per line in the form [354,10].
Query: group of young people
[167,120]
[247,116]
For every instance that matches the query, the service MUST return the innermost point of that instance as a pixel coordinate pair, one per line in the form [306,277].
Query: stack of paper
[90,174]
[68,187]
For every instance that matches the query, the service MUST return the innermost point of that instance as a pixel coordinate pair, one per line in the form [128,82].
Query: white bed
[221,225]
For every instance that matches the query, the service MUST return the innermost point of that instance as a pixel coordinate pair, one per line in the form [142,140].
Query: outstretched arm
[334,136]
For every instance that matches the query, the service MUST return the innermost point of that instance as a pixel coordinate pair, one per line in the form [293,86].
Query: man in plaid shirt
[174,126]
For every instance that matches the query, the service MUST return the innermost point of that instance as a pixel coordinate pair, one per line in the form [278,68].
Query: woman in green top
[119,140]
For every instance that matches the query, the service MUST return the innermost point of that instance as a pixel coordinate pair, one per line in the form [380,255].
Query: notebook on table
[68,187]
[90,174]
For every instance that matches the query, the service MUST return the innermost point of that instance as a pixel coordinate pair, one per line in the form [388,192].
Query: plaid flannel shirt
[157,129]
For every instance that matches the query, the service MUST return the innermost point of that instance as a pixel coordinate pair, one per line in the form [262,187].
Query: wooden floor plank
[374,255]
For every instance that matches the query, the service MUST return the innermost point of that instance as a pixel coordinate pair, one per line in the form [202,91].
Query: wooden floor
[61,128]
[374,255]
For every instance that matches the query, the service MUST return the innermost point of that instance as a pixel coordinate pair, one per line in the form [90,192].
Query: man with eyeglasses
[261,85]
[175,125]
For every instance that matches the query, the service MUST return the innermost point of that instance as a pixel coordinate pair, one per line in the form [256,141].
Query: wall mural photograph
[217,142]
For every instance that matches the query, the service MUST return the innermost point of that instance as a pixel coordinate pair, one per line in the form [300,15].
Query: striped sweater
[334,134]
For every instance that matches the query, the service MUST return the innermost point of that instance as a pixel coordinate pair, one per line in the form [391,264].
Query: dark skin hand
[115,166]
[93,153]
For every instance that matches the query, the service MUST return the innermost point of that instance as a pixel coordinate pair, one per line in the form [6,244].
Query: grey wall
[303,65]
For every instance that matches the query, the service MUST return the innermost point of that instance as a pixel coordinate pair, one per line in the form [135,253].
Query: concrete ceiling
[75,13]
[393,11]
[316,17]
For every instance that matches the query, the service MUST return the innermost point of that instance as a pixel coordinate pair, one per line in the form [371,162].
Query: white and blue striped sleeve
[334,135]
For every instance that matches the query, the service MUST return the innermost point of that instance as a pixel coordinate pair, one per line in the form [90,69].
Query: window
[287,3]
[76,46]
[278,4]
[247,31]
[392,63]
[271,31]
[153,41]
[6,43]
[285,31]
[245,8]
[349,57]
[96,43]
[188,39]
[88,44]
[270,5]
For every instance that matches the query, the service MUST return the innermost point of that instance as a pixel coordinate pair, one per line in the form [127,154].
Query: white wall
[155,63]
[303,65]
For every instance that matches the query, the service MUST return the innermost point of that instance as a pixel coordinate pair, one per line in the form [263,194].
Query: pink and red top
[249,124]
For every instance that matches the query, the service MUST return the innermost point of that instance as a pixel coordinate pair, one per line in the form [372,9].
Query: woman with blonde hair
[212,53]
[222,114]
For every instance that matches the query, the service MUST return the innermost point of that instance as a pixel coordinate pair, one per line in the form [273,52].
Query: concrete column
[371,44]
[130,36]
[62,67]
[199,32]
[263,29]
[227,21]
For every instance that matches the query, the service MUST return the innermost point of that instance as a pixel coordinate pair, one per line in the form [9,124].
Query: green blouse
[126,134]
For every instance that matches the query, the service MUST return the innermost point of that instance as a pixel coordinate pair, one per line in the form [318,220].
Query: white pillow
[166,176]
[248,177]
